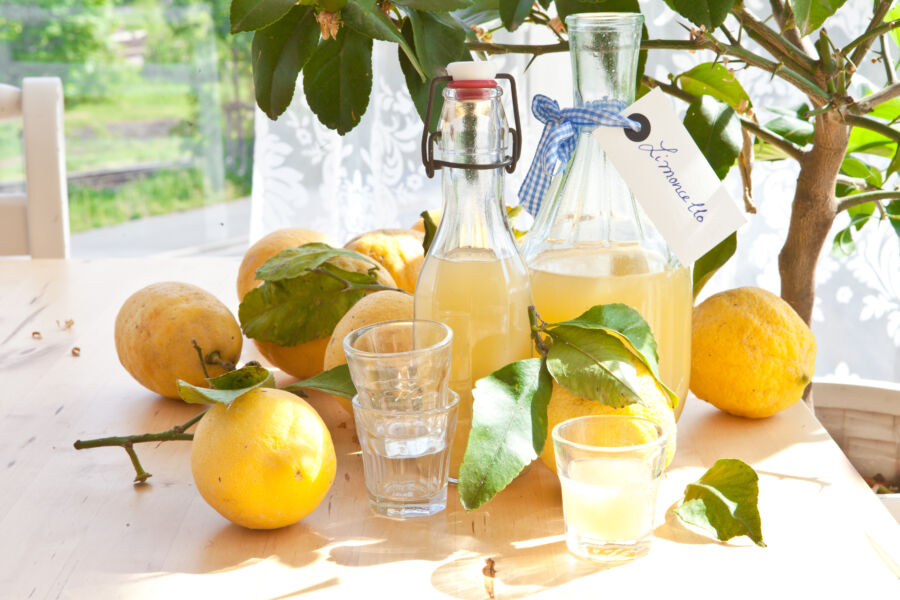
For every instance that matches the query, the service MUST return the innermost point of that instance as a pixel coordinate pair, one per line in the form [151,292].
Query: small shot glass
[609,468]
[406,456]
[402,364]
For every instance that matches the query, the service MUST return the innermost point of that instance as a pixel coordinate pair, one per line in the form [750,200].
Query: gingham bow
[558,139]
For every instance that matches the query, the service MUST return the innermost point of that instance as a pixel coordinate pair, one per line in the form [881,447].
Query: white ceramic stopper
[468,70]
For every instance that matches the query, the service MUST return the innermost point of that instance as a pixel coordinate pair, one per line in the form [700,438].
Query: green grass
[144,101]
[161,193]
[157,194]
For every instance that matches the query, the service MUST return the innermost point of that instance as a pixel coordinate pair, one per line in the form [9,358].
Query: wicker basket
[863,417]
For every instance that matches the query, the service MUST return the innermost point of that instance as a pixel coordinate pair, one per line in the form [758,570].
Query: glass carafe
[591,243]
[473,278]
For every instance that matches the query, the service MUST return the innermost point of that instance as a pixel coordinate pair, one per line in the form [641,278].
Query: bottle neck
[473,132]
[473,214]
[590,206]
[604,53]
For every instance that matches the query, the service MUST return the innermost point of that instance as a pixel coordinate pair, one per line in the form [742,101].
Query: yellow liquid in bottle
[485,302]
[565,283]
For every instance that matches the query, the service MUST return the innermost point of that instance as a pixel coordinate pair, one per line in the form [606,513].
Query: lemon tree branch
[176,433]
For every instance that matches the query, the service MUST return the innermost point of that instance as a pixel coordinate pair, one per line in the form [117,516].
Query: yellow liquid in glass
[485,302]
[609,500]
[565,283]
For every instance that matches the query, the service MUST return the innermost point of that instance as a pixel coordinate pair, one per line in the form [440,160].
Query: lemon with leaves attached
[751,353]
[302,359]
[266,461]
[156,331]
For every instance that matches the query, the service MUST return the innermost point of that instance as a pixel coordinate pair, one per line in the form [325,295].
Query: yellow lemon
[654,406]
[751,354]
[397,250]
[380,306]
[301,360]
[156,329]
[264,462]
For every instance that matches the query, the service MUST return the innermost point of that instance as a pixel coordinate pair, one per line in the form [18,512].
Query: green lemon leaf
[707,265]
[509,429]
[294,262]
[864,210]
[298,310]
[894,165]
[430,229]
[439,40]
[843,244]
[893,211]
[333,381]
[418,89]
[724,501]
[228,387]
[368,19]
[793,128]
[565,8]
[627,323]
[713,79]
[893,15]
[250,15]
[593,364]
[338,79]
[810,14]
[855,167]
[870,142]
[480,12]
[716,129]
[709,13]
[438,6]
[513,12]
[763,150]
[245,377]
[279,52]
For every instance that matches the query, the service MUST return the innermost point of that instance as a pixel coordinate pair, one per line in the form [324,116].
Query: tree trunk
[812,213]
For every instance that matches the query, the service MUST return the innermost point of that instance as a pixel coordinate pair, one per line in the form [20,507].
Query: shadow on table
[676,531]
[514,572]
[235,547]
[714,424]
[318,587]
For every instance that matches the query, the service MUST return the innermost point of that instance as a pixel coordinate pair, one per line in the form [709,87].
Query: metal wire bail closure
[509,162]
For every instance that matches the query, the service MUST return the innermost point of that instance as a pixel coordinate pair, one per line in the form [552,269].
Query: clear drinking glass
[609,468]
[406,456]
[402,365]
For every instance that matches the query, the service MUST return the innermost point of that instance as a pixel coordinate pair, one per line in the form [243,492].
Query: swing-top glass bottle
[473,278]
[591,243]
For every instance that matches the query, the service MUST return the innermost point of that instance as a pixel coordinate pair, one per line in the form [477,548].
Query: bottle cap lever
[509,162]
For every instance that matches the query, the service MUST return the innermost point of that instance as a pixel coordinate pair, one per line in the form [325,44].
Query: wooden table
[73,526]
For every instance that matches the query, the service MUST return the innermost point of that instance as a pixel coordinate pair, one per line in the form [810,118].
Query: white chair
[37,223]
[863,417]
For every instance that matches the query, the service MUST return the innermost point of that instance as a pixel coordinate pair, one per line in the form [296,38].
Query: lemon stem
[214,358]
[200,356]
[176,433]
[538,327]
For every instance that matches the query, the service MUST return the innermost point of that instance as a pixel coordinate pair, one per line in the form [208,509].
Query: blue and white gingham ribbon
[557,143]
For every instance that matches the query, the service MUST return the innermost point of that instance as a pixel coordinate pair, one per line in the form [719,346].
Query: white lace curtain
[307,176]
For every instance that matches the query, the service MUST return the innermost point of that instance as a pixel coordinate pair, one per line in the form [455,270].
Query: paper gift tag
[671,179]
